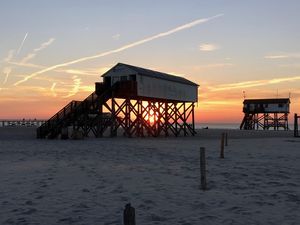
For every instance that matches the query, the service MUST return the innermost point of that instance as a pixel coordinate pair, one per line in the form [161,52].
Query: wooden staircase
[76,113]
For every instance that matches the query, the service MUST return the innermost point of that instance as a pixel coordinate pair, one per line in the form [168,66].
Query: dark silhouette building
[265,114]
[141,102]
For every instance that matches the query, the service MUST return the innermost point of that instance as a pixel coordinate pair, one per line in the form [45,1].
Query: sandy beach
[89,181]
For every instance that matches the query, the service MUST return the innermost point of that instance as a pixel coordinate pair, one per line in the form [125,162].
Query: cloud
[22,43]
[276,57]
[254,83]
[123,48]
[213,65]
[6,71]
[221,102]
[9,56]
[44,45]
[116,36]
[87,88]
[76,87]
[208,47]
[80,72]
[294,65]
[36,50]
[28,57]
[283,56]
[52,89]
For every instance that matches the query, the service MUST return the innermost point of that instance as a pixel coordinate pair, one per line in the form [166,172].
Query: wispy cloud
[116,36]
[52,89]
[80,72]
[75,88]
[87,88]
[283,56]
[123,48]
[253,83]
[293,65]
[213,65]
[208,47]
[28,57]
[36,50]
[6,71]
[44,45]
[9,56]
[222,102]
[22,43]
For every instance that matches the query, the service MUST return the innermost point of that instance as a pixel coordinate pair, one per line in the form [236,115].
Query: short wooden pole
[226,139]
[129,215]
[222,146]
[296,125]
[203,168]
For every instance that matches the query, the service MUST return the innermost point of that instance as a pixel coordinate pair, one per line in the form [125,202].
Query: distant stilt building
[140,101]
[265,114]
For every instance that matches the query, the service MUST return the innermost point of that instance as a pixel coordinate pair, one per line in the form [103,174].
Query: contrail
[140,42]
[22,43]
[32,55]
[44,45]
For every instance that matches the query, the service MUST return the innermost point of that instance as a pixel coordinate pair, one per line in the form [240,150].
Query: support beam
[265,121]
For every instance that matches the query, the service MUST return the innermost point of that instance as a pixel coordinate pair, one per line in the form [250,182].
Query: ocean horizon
[217,125]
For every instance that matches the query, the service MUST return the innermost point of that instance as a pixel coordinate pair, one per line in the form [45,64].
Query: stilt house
[265,114]
[140,101]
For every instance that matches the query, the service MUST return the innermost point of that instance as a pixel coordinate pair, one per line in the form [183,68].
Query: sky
[52,52]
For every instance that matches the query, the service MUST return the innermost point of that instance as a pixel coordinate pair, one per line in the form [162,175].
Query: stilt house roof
[267,101]
[154,74]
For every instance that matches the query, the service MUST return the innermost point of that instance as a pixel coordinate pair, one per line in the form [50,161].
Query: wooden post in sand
[222,146]
[129,215]
[203,168]
[226,139]
[296,132]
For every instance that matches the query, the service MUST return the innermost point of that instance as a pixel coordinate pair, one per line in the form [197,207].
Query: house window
[115,79]
[280,105]
[266,105]
[123,78]
[132,77]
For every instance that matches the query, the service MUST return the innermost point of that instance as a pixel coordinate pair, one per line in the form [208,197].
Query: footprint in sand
[29,211]
[154,217]
[39,197]
[29,202]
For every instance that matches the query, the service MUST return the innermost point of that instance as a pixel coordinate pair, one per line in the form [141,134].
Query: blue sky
[254,41]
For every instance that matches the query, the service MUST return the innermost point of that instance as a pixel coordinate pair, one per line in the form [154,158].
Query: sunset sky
[54,51]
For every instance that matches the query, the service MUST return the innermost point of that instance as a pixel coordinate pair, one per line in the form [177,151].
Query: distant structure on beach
[265,114]
[142,102]
[21,123]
